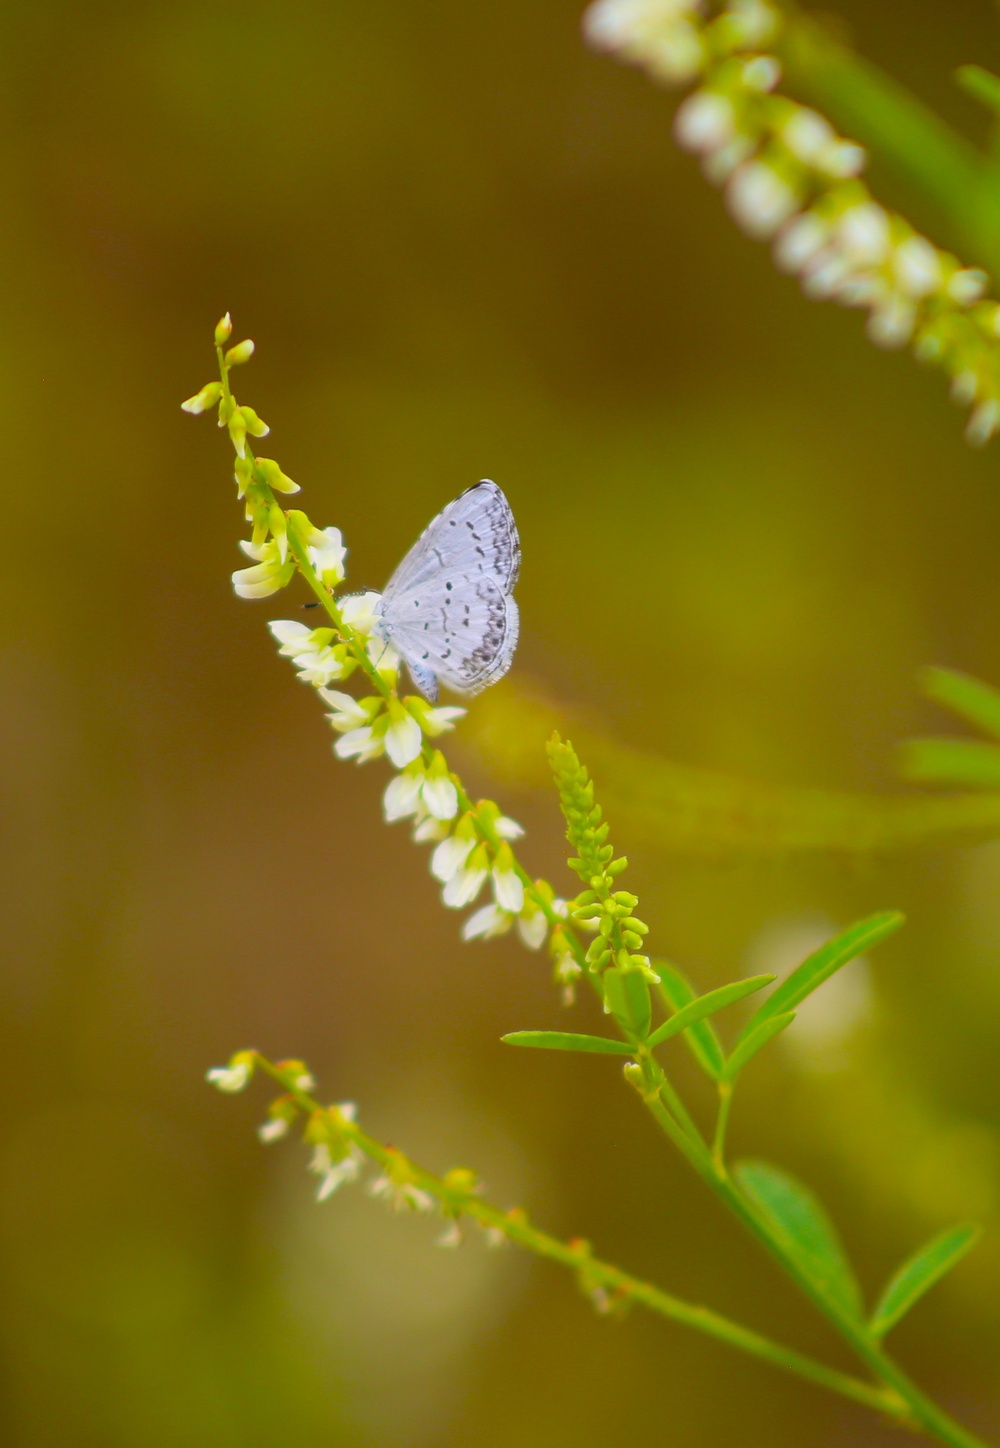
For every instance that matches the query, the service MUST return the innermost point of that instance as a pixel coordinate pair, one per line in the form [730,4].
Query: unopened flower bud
[203,400]
[242,352]
[223,330]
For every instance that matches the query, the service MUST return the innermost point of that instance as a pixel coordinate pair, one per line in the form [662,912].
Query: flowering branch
[790,179]
[339,1148]
[474,842]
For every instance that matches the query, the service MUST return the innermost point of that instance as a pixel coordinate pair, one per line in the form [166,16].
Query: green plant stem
[912,1405]
[721,1123]
[622,1286]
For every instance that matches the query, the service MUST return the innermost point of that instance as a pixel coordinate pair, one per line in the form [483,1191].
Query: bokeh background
[465,247]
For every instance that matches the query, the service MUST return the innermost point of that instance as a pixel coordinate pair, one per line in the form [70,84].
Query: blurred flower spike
[473,842]
[789,178]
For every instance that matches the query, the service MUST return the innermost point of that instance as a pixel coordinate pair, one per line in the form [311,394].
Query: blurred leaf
[707,1005]
[964,762]
[696,813]
[819,966]
[627,995]
[753,1041]
[920,1273]
[981,84]
[807,1232]
[678,992]
[970,698]
[567,1041]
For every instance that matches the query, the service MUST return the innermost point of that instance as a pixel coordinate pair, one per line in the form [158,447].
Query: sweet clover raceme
[474,850]
[789,178]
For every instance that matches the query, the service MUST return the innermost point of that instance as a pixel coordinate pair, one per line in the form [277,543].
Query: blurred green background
[465,247]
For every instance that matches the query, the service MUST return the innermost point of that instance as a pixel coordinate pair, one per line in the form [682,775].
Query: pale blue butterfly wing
[448,609]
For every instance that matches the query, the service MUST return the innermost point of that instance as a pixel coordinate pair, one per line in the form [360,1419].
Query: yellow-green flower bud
[243,472]
[242,352]
[203,400]
[238,432]
[255,427]
[223,330]
[275,478]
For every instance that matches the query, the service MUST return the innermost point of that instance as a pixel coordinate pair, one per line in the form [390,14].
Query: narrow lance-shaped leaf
[567,1041]
[748,1046]
[707,1005]
[963,763]
[822,963]
[795,1215]
[965,696]
[678,992]
[627,997]
[921,1272]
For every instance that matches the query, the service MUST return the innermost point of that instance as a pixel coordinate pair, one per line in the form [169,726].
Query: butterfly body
[448,609]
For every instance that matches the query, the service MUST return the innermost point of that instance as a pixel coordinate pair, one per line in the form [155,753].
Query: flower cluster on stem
[473,841]
[790,179]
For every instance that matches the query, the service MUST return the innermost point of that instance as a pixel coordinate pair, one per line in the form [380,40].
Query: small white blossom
[825,275]
[332,1173]
[675,55]
[800,242]
[403,740]
[704,122]
[358,610]
[751,22]
[326,554]
[452,1234]
[430,830]
[843,160]
[532,926]
[229,1078]
[451,855]
[892,321]
[508,888]
[807,135]
[268,576]
[274,1129]
[759,200]
[967,285]
[983,423]
[761,73]
[466,883]
[346,713]
[964,388]
[718,166]
[438,720]
[508,829]
[917,267]
[401,1194]
[862,234]
[441,797]
[402,796]
[360,744]
[487,922]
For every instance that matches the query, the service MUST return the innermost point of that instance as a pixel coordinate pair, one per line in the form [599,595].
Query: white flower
[508,829]
[487,922]
[441,797]
[360,744]
[983,423]
[465,884]
[967,285]
[347,712]
[718,166]
[358,610]
[704,122]
[452,1234]
[402,796]
[532,926]
[508,889]
[430,830]
[675,55]
[758,199]
[439,720]
[293,637]
[229,1078]
[401,1194]
[807,135]
[267,576]
[761,72]
[612,24]
[274,1129]
[891,321]
[326,554]
[332,1173]
[403,739]
[863,234]
[964,388]
[917,267]
[451,855]
[843,160]
[825,275]
[751,22]
[800,242]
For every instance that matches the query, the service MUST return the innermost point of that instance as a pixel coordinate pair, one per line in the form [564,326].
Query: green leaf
[921,1272]
[707,1005]
[853,941]
[801,1223]
[969,698]
[678,992]
[963,763]
[627,995]
[749,1044]
[567,1041]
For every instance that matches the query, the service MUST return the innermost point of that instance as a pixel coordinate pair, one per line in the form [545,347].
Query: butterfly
[447,609]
